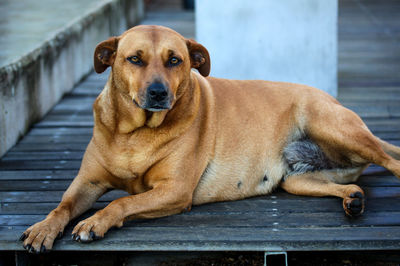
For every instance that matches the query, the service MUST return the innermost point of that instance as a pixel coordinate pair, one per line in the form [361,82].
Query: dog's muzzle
[157,98]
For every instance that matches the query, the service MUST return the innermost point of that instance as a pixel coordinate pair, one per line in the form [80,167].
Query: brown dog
[173,138]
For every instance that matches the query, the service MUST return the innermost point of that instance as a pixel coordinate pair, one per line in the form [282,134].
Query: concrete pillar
[285,40]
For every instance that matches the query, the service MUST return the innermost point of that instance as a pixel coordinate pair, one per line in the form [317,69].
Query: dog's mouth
[155,107]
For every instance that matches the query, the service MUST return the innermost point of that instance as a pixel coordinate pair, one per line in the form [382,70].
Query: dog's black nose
[157,92]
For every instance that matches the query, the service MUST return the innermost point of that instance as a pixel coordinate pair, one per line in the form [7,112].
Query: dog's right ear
[104,54]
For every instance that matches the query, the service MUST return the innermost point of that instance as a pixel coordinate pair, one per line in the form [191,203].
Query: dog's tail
[390,149]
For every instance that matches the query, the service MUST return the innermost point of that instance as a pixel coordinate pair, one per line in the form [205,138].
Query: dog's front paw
[354,204]
[39,238]
[93,228]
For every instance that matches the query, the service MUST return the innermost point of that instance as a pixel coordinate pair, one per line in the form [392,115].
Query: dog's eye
[135,60]
[173,61]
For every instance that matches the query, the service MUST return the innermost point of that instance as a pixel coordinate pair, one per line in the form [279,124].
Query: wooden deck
[35,173]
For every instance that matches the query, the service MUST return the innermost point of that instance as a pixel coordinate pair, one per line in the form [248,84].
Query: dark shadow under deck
[35,173]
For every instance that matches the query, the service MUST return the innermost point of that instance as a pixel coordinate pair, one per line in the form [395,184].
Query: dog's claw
[92,235]
[77,237]
[31,249]
[43,249]
[357,195]
[22,237]
[60,234]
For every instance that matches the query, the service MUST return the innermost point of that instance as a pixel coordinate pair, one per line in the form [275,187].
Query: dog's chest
[124,159]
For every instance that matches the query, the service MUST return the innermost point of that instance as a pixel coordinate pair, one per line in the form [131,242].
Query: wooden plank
[383,112]
[278,220]
[375,170]
[55,196]
[76,100]
[382,192]
[360,102]
[56,139]
[375,70]
[224,239]
[264,204]
[49,196]
[60,111]
[38,207]
[375,181]
[50,147]
[76,103]
[379,90]
[385,98]
[69,117]
[370,111]
[61,131]
[42,155]
[373,51]
[84,90]
[387,125]
[37,174]
[395,135]
[35,185]
[394,111]
[45,123]
[40,165]
[93,81]
[98,78]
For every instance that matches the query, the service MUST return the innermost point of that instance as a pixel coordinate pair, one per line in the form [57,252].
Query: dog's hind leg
[340,129]
[320,184]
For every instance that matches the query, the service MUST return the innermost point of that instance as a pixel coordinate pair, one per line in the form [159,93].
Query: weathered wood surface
[34,174]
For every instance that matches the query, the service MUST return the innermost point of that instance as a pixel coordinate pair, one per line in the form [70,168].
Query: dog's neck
[118,114]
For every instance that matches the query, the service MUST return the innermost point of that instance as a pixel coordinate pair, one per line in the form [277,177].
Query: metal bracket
[276,253]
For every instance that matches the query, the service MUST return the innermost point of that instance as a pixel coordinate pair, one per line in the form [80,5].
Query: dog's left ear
[199,57]
[104,54]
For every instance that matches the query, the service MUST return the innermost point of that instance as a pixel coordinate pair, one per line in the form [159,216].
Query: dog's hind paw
[353,205]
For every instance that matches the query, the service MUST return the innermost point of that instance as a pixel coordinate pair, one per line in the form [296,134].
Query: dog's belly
[224,181]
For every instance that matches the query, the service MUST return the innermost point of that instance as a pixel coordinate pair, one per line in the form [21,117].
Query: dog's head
[151,64]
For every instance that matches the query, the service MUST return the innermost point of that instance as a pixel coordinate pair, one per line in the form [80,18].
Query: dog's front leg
[165,198]
[86,188]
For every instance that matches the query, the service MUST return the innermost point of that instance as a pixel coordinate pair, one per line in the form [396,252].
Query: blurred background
[349,48]
[47,46]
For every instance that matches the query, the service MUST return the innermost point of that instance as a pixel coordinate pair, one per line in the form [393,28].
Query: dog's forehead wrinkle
[153,40]
[154,36]
[150,49]
[171,52]
[131,45]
